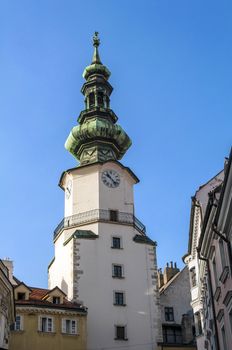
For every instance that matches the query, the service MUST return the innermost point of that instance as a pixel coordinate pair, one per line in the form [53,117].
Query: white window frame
[73,331]
[121,242]
[47,328]
[20,323]
[122,269]
[124,297]
[125,332]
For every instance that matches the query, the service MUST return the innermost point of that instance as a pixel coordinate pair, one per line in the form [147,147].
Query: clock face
[110,178]
[68,189]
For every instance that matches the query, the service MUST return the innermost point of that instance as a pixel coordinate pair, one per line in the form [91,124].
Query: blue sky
[171,73]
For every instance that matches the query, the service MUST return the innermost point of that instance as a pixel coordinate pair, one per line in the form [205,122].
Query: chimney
[160,278]
[169,272]
[9,264]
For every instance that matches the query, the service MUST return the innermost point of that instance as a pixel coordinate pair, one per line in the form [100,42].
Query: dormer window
[21,296]
[56,300]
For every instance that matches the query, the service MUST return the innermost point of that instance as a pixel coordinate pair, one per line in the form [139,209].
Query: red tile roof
[36,298]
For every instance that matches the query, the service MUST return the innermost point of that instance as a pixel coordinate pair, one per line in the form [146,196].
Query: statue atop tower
[97,138]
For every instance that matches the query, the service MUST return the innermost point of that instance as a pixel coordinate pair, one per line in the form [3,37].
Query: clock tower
[103,256]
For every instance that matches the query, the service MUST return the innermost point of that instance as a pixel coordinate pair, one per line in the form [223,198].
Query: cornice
[27,309]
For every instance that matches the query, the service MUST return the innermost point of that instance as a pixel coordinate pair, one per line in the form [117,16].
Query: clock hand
[109,177]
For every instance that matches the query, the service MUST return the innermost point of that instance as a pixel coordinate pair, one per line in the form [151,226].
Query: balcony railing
[100,215]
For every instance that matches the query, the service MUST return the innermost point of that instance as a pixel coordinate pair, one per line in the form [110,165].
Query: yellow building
[6,306]
[45,319]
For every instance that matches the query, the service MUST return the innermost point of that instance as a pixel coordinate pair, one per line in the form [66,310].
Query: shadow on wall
[64,286]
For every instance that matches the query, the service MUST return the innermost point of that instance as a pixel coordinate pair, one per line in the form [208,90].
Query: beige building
[45,319]
[6,306]
[176,312]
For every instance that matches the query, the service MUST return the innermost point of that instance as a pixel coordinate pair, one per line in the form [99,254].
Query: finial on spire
[96,42]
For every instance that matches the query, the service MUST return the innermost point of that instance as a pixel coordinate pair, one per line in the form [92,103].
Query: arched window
[100,99]
[91,100]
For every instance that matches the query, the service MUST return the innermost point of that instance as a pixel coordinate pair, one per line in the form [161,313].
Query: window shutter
[40,323]
[63,325]
[21,323]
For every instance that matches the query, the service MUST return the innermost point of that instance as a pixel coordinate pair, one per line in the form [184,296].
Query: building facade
[176,311]
[110,262]
[45,319]
[211,274]
[7,313]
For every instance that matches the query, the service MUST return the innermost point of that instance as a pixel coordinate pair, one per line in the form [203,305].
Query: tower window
[119,298]
[113,215]
[116,243]
[100,99]
[117,271]
[107,102]
[91,100]
[120,333]
[169,314]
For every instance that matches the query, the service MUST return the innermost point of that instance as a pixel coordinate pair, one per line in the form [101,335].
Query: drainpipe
[211,294]
[223,236]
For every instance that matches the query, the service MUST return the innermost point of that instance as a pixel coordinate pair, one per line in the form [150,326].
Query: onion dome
[97,138]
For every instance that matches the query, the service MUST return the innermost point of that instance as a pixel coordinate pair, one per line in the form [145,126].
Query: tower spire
[96,42]
[97,138]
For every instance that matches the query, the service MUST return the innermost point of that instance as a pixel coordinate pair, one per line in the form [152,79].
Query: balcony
[101,215]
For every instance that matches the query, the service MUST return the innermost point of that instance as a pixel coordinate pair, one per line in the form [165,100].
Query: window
[172,335]
[21,296]
[56,300]
[91,100]
[46,324]
[113,215]
[119,298]
[117,271]
[230,318]
[69,326]
[169,314]
[120,333]
[215,273]
[18,325]
[224,338]
[193,276]
[198,324]
[107,102]
[222,253]
[100,99]
[116,243]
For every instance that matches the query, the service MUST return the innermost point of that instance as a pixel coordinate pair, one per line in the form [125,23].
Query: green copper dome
[97,137]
